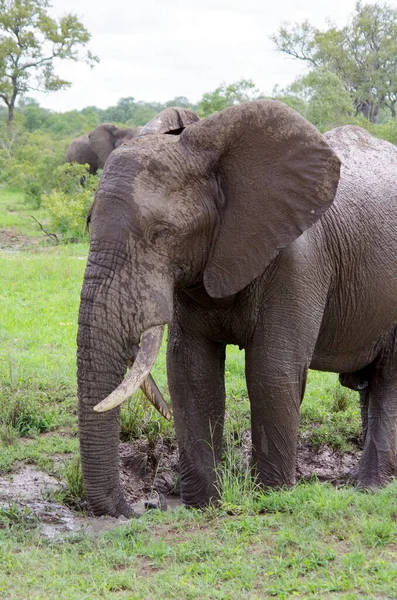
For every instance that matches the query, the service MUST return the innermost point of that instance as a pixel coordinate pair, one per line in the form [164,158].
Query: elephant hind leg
[358,381]
[379,400]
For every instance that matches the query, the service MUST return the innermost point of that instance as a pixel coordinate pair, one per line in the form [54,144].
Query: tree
[178,101]
[30,41]
[328,103]
[227,95]
[120,113]
[363,55]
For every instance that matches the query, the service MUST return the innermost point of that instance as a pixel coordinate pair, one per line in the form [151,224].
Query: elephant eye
[158,231]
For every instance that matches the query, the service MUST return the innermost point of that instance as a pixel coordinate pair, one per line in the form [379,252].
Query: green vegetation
[69,202]
[227,95]
[358,61]
[312,542]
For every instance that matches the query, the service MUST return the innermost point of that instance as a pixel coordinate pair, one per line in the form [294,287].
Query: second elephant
[93,148]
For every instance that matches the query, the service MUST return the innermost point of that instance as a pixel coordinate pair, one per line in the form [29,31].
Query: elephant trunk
[101,364]
[111,320]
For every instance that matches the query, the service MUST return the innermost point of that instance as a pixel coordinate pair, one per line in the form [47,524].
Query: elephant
[94,147]
[250,228]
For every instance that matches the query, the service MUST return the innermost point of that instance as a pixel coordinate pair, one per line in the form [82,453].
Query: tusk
[151,391]
[148,352]
[153,394]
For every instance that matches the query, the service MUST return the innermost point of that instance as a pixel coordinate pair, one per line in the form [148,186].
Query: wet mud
[150,477]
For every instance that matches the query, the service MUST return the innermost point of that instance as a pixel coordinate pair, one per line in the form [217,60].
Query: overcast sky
[156,50]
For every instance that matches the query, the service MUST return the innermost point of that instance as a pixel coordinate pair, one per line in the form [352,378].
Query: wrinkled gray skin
[235,232]
[94,147]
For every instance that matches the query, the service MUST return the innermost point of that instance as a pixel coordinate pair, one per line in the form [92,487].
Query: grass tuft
[13,516]
[8,434]
[236,485]
[26,413]
[139,420]
[72,494]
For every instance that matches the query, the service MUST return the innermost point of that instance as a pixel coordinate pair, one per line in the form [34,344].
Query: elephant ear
[171,121]
[102,141]
[278,176]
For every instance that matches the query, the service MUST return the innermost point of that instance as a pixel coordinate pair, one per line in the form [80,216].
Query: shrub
[28,160]
[70,200]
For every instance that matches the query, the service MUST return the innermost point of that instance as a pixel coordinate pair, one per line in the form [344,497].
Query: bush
[28,160]
[70,200]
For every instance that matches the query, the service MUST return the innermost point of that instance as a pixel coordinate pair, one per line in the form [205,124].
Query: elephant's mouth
[139,376]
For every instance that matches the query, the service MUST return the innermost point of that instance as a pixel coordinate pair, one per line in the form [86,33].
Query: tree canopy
[227,95]
[362,55]
[30,41]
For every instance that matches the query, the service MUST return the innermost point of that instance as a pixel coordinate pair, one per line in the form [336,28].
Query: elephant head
[107,137]
[93,148]
[212,205]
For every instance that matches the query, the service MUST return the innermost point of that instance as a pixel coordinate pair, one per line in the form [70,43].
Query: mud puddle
[28,488]
[150,477]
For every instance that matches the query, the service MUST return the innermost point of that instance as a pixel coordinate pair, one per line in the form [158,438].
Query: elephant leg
[364,403]
[358,381]
[379,459]
[196,374]
[275,391]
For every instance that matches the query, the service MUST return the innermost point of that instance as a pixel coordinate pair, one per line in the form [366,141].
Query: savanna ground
[322,539]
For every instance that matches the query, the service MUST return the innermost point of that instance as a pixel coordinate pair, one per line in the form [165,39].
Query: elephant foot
[371,480]
[127,511]
[372,484]
[192,499]
[212,502]
[122,509]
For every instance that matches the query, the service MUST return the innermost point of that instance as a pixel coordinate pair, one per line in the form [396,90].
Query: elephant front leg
[275,391]
[196,376]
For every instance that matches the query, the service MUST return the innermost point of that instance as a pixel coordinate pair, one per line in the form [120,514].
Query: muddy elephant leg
[379,459]
[275,392]
[196,369]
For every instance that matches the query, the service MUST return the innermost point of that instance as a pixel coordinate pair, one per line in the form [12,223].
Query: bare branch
[50,235]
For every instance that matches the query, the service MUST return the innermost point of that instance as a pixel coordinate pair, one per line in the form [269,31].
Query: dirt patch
[324,463]
[149,468]
[150,477]
[11,240]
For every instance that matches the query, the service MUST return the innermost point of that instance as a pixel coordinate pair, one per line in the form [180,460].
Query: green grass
[314,541]
[16,215]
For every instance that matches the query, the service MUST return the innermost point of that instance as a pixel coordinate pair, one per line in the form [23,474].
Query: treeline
[127,111]
[31,117]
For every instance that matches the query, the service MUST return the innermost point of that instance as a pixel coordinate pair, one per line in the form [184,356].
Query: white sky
[159,49]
